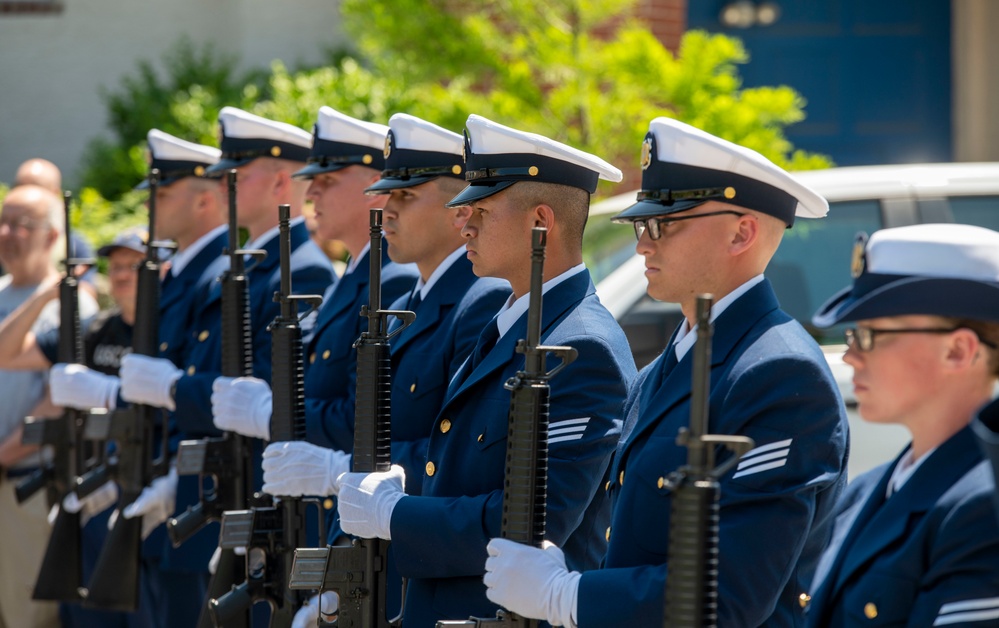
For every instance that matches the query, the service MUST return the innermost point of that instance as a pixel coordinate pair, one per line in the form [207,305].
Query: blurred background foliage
[581,71]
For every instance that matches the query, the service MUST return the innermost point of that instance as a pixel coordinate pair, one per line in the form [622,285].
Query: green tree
[150,99]
[581,71]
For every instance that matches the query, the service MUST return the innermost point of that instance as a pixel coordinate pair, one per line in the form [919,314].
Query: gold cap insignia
[275,151]
[646,153]
[729,192]
[388,145]
[456,169]
[858,261]
[533,171]
[199,171]
[367,159]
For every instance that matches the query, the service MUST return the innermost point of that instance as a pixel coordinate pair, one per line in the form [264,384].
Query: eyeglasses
[656,224]
[23,224]
[862,338]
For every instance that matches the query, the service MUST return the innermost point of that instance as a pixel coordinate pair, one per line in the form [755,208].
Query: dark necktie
[487,340]
[414,300]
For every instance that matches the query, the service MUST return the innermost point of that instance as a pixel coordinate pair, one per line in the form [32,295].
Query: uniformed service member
[265,154]
[916,542]
[346,157]
[191,212]
[709,217]
[517,181]
[424,169]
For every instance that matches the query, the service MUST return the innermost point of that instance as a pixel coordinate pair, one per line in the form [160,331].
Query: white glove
[156,502]
[213,562]
[243,405]
[298,468]
[148,380]
[95,503]
[308,615]
[76,386]
[367,501]
[532,582]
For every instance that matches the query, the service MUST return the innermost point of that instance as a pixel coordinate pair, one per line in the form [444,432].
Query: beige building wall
[53,66]
[976,80]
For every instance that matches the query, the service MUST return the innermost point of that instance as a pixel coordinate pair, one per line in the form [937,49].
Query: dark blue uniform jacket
[439,539]
[769,381]
[926,556]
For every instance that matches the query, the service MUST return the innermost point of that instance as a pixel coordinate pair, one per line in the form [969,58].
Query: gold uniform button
[328,504]
[870,610]
[430,469]
[312,358]
[326,354]
[412,387]
[661,482]
[190,370]
[607,486]
[620,478]
[607,535]
[445,426]
[203,336]
[163,346]
[804,599]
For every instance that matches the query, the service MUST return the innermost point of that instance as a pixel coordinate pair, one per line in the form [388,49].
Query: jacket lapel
[674,386]
[444,294]
[557,301]
[881,522]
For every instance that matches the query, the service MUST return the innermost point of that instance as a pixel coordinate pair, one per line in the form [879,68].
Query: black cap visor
[478,191]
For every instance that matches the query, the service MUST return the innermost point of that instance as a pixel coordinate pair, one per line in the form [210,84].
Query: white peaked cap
[163,146]
[412,133]
[681,143]
[489,138]
[945,270]
[244,125]
[338,127]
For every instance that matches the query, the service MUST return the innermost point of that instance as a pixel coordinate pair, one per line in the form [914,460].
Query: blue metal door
[876,73]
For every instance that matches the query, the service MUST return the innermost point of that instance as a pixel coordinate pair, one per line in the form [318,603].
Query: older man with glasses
[31,235]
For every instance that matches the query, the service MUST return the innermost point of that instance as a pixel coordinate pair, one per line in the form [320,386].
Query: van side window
[982,211]
[813,260]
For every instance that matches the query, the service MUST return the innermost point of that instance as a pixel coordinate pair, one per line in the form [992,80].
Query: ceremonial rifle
[60,576]
[525,490]
[358,573]
[114,584]
[225,462]
[270,534]
[692,557]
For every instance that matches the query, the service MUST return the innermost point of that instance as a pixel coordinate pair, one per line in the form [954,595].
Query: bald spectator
[31,232]
[45,174]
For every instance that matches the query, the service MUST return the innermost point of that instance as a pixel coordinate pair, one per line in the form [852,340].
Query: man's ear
[963,349]
[544,216]
[746,233]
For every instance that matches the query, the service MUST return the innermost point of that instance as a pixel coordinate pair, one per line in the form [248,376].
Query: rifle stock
[271,533]
[691,599]
[114,584]
[525,489]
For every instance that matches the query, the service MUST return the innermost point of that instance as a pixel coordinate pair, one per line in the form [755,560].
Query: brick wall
[666,18]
